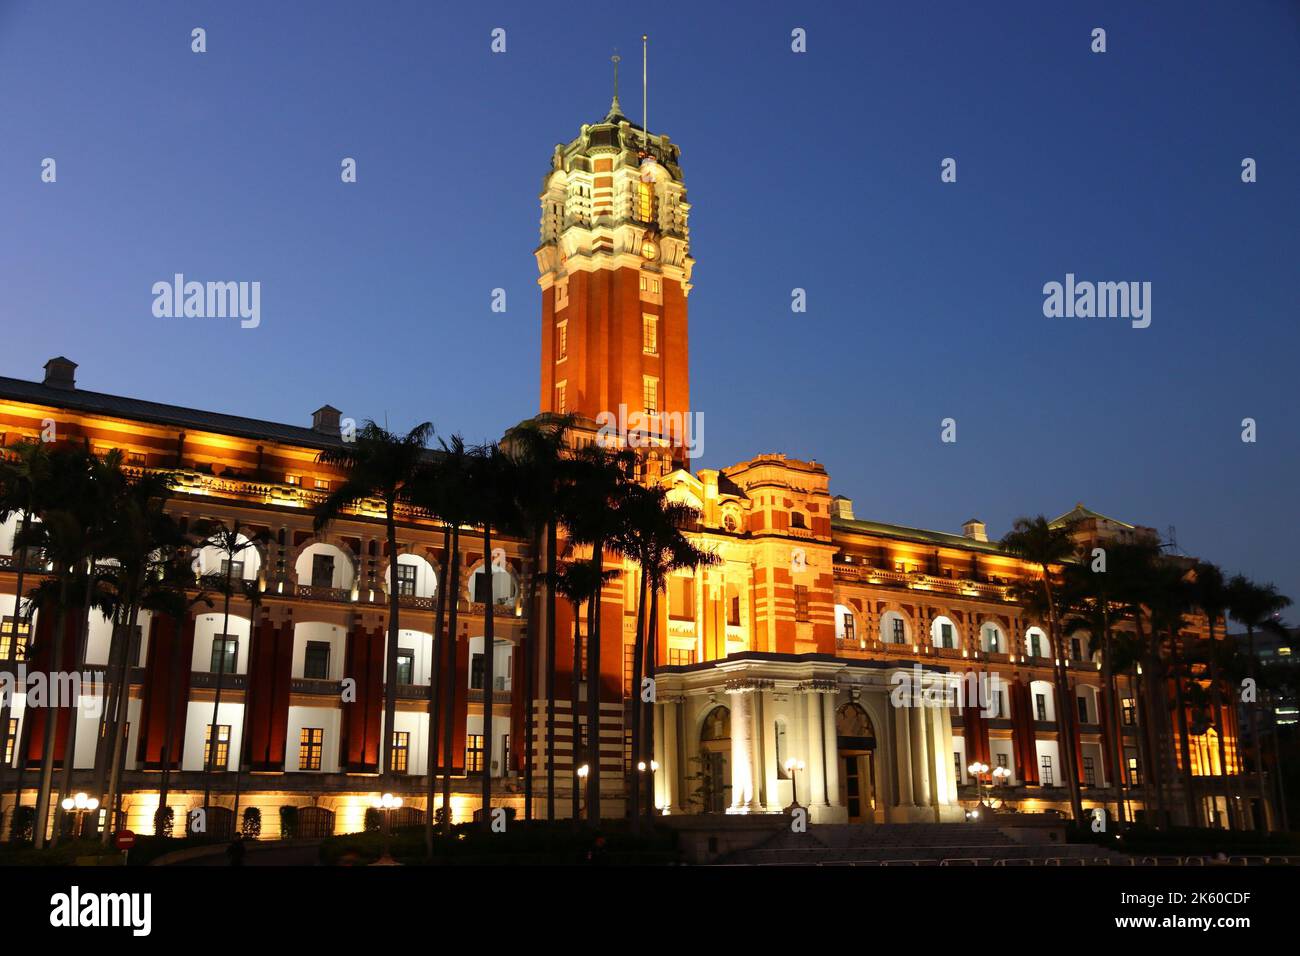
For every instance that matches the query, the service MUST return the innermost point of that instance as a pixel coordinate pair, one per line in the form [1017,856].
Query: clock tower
[615,271]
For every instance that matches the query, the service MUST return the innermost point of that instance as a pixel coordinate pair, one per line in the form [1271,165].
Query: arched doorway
[715,761]
[855,739]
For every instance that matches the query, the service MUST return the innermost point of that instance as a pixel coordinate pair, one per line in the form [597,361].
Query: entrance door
[852,789]
[717,781]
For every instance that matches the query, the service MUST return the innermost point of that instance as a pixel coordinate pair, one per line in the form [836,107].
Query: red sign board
[124,839]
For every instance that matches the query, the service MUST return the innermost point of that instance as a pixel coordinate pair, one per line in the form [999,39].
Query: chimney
[975,530]
[842,507]
[325,420]
[61,373]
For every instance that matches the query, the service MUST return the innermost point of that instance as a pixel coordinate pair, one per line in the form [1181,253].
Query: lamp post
[577,797]
[1001,778]
[80,805]
[792,767]
[386,804]
[977,770]
[654,768]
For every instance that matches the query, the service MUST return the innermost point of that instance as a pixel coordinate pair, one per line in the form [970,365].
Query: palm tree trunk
[449,705]
[638,657]
[1190,804]
[51,722]
[117,654]
[1065,706]
[122,725]
[243,717]
[652,664]
[70,744]
[489,673]
[9,663]
[574,692]
[550,670]
[1114,739]
[1216,693]
[390,656]
[530,675]
[221,670]
[1255,740]
[594,615]
[1283,820]
[435,675]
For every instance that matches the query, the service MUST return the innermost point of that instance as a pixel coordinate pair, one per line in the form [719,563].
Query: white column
[813,783]
[832,750]
[920,756]
[663,717]
[743,792]
[902,757]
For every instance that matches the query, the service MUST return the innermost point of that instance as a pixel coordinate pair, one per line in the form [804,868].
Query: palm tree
[378,465]
[64,535]
[537,450]
[1170,599]
[1050,546]
[22,471]
[144,540]
[591,513]
[231,541]
[1255,606]
[1210,592]
[578,582]
[651,534]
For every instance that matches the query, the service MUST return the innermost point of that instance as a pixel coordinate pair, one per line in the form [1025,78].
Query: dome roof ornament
[615,110]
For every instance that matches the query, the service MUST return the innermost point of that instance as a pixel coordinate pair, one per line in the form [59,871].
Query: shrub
[288,822]
[374,821]
[251,826]
[24,823]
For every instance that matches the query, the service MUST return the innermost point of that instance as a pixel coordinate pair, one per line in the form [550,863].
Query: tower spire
[614,108]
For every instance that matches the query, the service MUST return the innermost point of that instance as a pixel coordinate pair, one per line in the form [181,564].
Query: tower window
[645,201]
[560,396]
[561,341]
[650,334]
[650,392]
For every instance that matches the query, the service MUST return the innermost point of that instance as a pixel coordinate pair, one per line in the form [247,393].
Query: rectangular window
[1002,760]
[645,201]
[406,666]
[850,626]
[321,484]
[222,759]
[1000,702]
[1134,772]
[225,651]
[1045,772]
[650,392]
[1075,653]
[322,570]
[11,740]
[311,744]
[406,579]
[945,636]
[733,610]
[629,650]
[235,569]
[401,750]
[1040,706]
[135,459]
[650,334]
[292,480]
[800,603]
[1035,649]
[316,661]
[956,765]
[681,598]
[560,396]
[561,341]
[1083,709]
[1089,772]
[680,657]
[899,634]
[13,639]
[476,672]
[1128,711]
[473,753]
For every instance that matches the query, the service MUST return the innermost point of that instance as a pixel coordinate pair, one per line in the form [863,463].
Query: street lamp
[977,770]
[792,767]
[386,804]
[80,805]
[577,797]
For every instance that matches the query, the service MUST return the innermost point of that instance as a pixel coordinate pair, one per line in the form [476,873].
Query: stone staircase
[914,844]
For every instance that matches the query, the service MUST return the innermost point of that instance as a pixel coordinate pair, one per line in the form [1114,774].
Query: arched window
[943,633]
[893,628]
[1036,643]
[991,639]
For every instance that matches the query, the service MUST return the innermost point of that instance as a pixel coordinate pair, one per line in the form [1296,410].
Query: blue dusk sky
[816,170]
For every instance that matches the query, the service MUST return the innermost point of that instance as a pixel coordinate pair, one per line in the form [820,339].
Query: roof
[81,400]
[905,533]
[1080,513]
